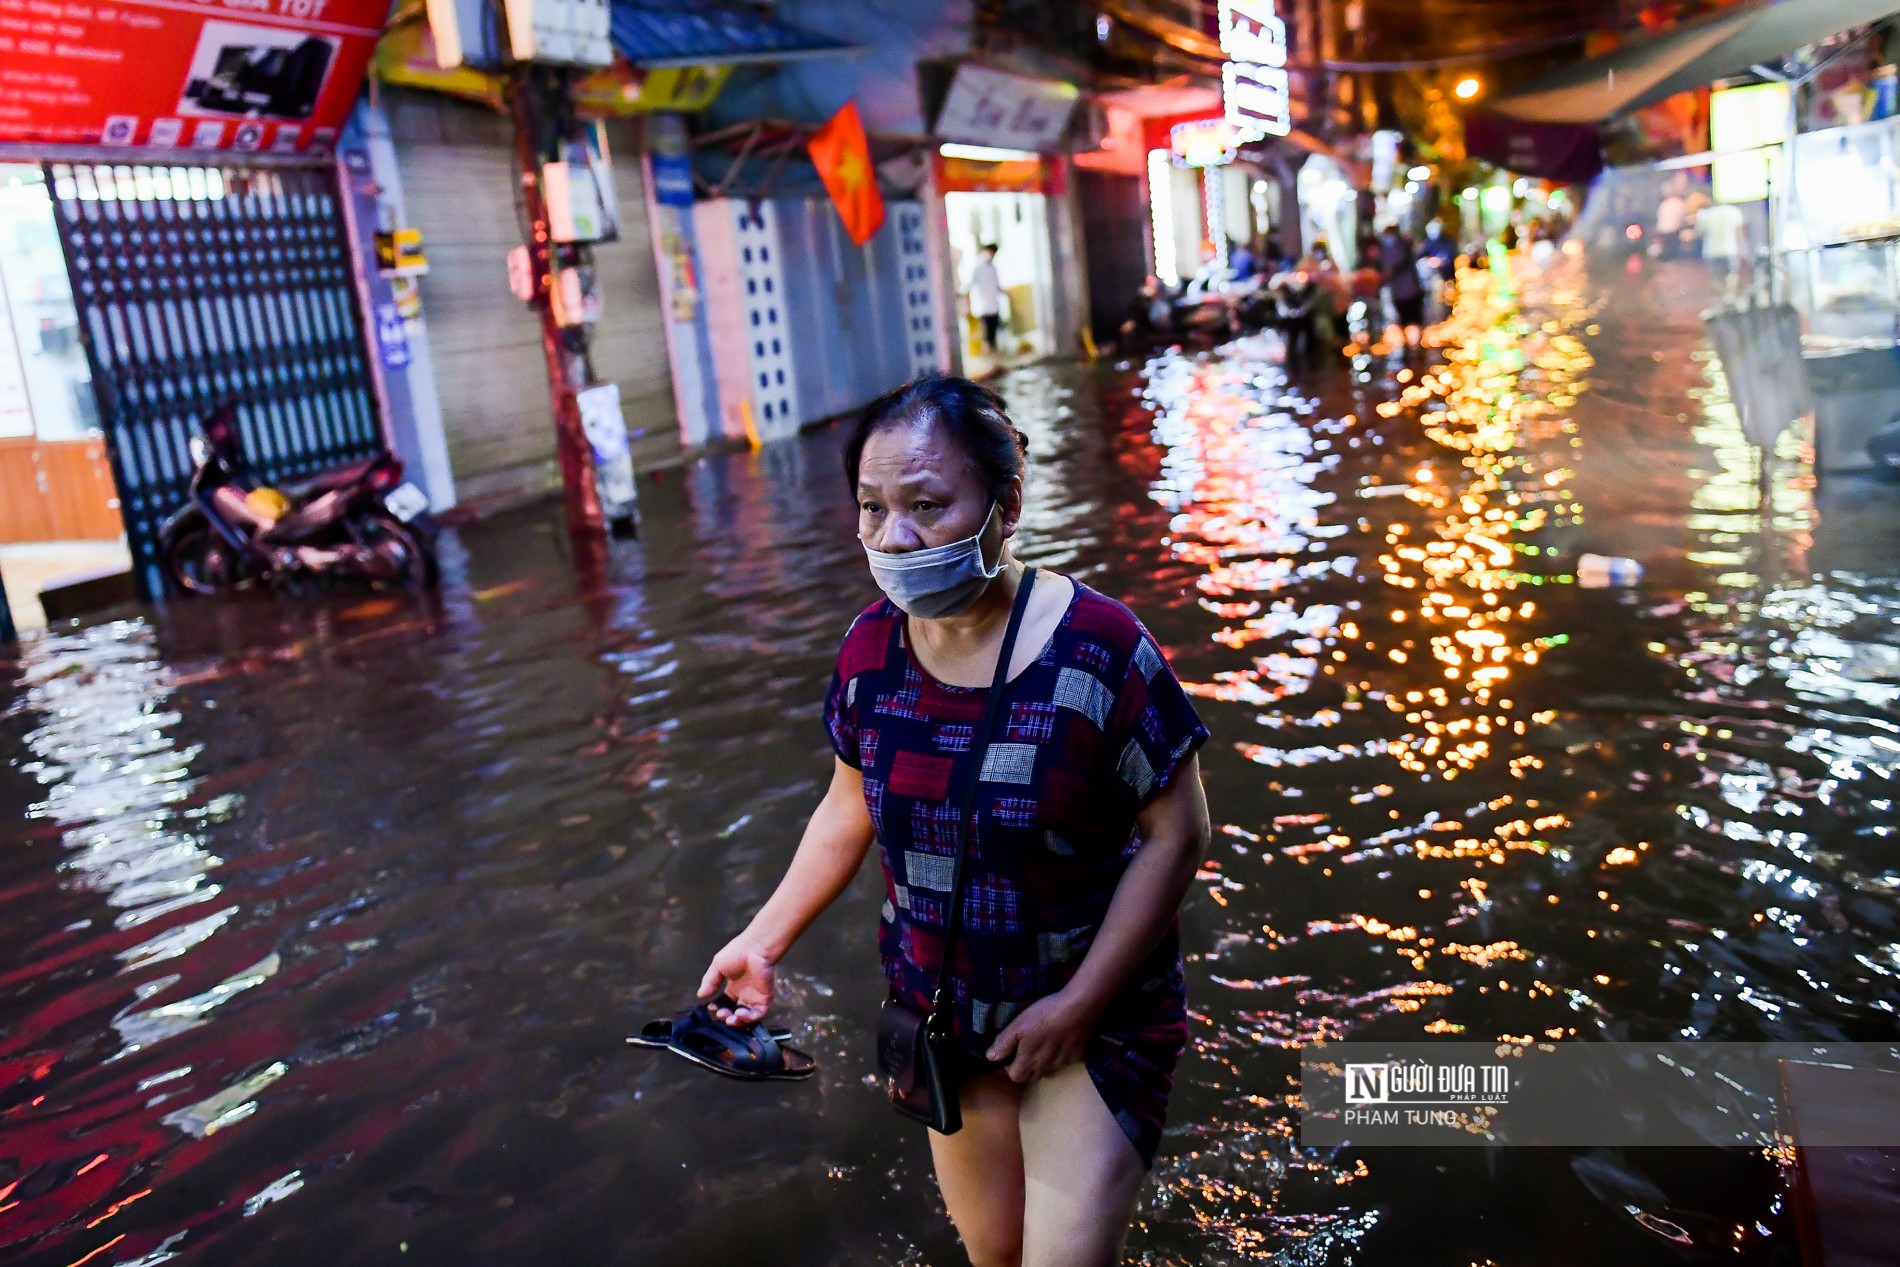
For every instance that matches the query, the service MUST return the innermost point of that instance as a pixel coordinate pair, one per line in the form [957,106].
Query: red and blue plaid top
[1086,736]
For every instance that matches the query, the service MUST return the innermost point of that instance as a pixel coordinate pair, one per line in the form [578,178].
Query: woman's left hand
[1050,1035]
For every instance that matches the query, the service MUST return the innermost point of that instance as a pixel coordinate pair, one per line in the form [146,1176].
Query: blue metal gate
[197,286]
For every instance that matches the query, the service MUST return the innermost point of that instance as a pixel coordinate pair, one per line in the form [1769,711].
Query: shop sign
[673,180]
[1254,84]
[994,107]
[1748,119]
[392,339]
[226,74]
[1204,142]
[979,176]
[410,55]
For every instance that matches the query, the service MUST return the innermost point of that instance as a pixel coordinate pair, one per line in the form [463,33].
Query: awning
[1644,71]
[1565,152]
[654,33]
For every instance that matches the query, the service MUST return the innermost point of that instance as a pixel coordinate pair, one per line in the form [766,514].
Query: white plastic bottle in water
[1596,571]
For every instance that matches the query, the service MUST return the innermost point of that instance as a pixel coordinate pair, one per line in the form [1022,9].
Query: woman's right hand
[743,973]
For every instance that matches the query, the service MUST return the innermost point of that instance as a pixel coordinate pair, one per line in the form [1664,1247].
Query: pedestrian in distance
[986,295]
[1150,313]
[1335,297]
[1051,854]
[1441,253]
[1398,263]
[1240,261]
[1296,297]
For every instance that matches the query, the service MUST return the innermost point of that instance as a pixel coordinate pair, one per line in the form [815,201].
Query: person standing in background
[986,295]
[1240,261]
[1442,253]
[1672,214]
[1721,228]
[1296,298]
[1398,262]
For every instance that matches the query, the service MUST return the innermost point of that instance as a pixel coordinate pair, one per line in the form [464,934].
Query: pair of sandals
[749,1052]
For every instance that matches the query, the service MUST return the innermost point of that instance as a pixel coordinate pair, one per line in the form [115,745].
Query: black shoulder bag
[917,1054]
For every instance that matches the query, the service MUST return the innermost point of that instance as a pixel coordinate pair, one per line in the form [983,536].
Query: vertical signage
[1254,84]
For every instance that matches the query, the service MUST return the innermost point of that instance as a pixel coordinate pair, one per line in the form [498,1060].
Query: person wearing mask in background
[1398,263]
[1296,299]
[1240,261]
[986,295]
[1442,252]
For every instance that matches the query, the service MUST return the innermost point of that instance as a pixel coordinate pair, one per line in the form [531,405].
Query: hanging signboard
[1254,84]
[411,54]
[1010,176]
[994,107]
[1204,142]
[203,74]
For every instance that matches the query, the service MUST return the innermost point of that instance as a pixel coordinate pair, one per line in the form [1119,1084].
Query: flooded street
[324,921]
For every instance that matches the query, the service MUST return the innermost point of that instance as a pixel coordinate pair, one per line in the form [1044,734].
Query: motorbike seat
[325,481]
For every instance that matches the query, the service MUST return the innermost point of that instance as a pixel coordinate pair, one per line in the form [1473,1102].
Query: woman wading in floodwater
[1064,1005]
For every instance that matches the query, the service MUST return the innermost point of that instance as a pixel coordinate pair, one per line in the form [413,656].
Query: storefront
[1000,180]
[172,239]
[1840,254]
[1329,209]
[55,480]
[997,199]
[1204,199]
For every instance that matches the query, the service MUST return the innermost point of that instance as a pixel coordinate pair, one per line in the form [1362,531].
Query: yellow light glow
[1468,88]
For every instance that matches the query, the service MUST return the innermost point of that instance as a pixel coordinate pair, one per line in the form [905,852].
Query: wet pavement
[324,921]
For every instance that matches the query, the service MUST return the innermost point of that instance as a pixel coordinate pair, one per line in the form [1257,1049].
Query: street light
[1467,88]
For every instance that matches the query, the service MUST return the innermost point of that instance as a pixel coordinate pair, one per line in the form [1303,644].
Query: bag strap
[942,1006]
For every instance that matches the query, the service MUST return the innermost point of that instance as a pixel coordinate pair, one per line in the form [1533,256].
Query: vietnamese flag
[843,158]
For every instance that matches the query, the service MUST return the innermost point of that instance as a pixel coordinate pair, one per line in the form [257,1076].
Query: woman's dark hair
[973,416]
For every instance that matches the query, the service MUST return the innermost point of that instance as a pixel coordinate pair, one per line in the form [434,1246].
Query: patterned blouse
[1086,736]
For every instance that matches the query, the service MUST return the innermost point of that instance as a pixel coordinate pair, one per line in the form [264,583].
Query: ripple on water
[325,921]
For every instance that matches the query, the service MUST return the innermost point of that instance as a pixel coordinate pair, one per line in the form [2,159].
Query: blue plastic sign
[392,340]
[673,179]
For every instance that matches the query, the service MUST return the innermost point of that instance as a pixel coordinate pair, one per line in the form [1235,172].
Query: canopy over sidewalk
[1644,71]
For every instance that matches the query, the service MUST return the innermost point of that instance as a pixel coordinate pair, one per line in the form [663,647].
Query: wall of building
[459,181]
[1115,243]
[629,346]
[812,325]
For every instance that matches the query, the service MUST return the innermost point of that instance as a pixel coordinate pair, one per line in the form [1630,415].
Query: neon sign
[1204,142]
[1254,84]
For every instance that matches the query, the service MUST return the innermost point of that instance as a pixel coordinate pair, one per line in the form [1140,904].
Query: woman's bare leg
[1081,1174]
[980,1172]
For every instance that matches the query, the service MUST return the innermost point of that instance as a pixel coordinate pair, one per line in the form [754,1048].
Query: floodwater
[324,921]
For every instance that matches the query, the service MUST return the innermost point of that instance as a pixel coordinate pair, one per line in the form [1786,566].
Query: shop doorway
[1017,225]
[194,287]
[55,481]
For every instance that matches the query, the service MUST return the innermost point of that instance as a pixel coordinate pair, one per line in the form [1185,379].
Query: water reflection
[328,920]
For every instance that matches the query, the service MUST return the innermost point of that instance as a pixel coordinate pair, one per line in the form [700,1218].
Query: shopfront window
[45,386]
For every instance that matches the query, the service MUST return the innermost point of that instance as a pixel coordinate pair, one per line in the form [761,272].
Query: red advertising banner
[183,74]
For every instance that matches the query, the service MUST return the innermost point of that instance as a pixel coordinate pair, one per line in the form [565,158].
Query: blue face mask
[938,581]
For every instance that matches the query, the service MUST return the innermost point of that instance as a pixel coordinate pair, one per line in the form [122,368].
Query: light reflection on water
[328,921]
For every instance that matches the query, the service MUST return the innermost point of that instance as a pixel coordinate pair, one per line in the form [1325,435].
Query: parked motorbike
[359,522]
